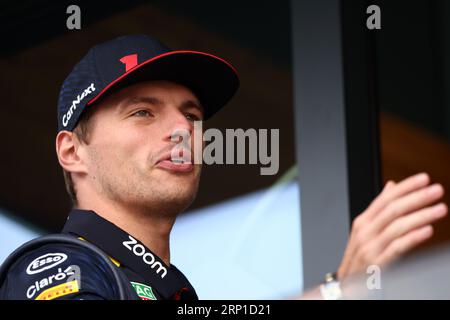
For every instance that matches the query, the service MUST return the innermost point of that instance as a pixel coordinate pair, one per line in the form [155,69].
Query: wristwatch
[330,288]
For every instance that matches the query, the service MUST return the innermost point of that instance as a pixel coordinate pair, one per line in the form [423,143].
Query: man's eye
[142,113]
[192,117]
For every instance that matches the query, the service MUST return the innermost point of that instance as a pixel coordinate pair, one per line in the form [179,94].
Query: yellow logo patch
[59,291]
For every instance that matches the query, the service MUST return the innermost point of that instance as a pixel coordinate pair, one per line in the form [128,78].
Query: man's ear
[67,151]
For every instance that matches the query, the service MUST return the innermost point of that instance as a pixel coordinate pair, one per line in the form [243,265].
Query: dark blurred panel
[413,72]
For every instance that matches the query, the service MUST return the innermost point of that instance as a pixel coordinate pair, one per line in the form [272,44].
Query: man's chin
[173,205]
[173,193]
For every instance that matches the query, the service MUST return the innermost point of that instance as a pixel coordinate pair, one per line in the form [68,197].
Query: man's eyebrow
[137,100]
[192,104]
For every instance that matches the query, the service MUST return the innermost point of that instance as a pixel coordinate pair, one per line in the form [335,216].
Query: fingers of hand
[407,224]
[388,185]
[404,244]
[405,205]
[393,191]
[395,222]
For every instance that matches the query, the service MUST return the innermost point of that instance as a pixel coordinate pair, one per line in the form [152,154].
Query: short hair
[82,131]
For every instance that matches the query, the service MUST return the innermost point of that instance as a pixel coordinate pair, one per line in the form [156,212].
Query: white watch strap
[331,290]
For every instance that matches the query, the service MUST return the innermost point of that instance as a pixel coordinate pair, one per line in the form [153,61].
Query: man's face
[130,141]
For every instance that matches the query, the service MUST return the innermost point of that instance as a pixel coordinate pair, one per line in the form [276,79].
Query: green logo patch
[143,291]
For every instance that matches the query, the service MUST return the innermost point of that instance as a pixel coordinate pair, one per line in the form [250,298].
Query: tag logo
[143,291]
[45,262]
[73,107]
[148,258]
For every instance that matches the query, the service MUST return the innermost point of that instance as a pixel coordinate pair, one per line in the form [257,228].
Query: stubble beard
[139,191]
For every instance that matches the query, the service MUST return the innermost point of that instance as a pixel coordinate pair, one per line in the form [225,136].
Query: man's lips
[165,162]
[177,167]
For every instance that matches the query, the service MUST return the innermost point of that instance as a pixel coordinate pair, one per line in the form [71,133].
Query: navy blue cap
[112,65]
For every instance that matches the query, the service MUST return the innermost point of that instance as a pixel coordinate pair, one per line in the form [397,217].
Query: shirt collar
[130,252]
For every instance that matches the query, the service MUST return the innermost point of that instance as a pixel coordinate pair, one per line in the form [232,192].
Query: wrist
[340,273]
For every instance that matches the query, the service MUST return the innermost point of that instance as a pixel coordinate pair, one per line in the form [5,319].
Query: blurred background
[246,236]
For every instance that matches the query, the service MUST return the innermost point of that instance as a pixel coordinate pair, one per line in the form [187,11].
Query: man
[117,114]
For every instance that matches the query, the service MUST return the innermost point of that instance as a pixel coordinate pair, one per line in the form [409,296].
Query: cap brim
[213,80]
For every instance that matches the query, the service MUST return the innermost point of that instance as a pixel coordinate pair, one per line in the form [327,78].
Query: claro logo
[73,107]
[45,282]
[45,262]
[147,257]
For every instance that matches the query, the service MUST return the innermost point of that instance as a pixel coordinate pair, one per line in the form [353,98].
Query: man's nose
[178,125]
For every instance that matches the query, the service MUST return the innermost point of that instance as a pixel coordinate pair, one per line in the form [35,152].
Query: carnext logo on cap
[73,107]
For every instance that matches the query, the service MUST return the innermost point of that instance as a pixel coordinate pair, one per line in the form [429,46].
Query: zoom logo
[45,262]
[148,258]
